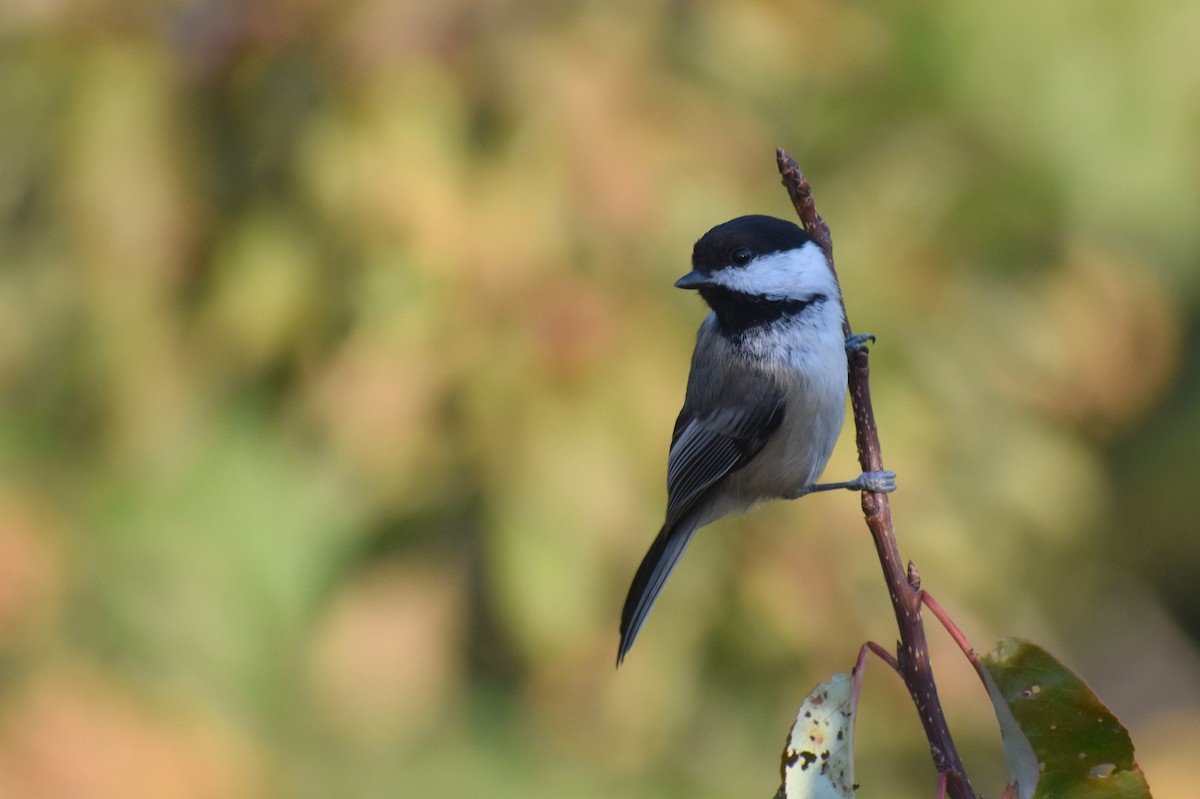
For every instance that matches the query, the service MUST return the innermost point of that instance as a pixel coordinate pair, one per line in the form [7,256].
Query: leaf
[1054,726]
[1023,766]
[818,761]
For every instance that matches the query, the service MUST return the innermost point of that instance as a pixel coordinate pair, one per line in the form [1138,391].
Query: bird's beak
[693,280]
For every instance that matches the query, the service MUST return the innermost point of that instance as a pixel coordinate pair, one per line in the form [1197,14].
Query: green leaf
[1054,726]
[818,762]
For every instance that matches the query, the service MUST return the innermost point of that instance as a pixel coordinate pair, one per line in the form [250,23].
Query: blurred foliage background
[339,355]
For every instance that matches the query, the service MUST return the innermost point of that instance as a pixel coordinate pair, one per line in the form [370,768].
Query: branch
[912,653]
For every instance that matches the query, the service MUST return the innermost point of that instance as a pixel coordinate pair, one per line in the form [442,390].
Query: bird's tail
[651,576]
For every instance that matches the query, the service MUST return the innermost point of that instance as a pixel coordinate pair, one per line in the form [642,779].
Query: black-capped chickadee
[766,396]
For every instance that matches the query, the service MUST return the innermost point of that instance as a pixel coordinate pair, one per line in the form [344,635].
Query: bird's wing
[723,425]
[708,446]
[705,448]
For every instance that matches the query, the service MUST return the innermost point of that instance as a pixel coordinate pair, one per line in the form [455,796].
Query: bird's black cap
[728,244]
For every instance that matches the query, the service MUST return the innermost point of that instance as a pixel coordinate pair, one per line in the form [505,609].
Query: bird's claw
[858,342]
[882,482]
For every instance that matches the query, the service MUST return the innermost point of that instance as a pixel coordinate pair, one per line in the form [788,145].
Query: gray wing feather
[722,426]
[708,447]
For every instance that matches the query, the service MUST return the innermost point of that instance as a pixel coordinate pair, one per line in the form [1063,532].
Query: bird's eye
[742,256]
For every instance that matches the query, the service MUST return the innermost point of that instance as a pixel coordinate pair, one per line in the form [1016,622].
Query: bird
[766,394]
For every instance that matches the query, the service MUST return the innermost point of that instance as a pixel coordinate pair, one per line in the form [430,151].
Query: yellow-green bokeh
[339,355]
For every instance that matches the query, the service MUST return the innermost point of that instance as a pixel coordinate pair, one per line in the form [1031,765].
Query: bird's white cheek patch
[792,274]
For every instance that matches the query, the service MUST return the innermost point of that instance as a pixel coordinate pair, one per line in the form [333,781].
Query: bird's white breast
[807,357]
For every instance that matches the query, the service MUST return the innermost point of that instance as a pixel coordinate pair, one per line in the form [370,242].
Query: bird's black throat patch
[738,312]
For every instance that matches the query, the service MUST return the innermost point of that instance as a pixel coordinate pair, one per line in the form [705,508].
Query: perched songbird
[766,396]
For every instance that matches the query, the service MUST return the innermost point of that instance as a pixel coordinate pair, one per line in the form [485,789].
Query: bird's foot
[881,482]
[858,342]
